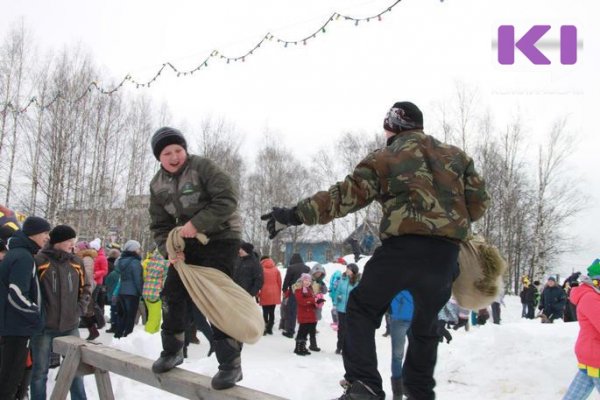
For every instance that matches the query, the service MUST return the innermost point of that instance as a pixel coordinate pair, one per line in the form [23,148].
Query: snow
[518,359]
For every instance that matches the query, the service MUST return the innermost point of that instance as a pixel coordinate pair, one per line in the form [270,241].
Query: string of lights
[215,54]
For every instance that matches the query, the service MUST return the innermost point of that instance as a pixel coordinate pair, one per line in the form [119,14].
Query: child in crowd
[307,304]
[586,297]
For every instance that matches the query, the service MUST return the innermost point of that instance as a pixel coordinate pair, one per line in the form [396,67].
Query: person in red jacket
[586,297]
[270,293]
[307,304]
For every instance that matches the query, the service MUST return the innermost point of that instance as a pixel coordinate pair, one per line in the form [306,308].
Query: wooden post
[67,372]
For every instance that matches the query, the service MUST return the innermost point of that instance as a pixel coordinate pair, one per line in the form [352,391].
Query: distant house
[320,251]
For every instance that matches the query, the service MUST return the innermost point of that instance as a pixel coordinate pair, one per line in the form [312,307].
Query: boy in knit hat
[20,314]
[65,296]
[193,192]
[586,297]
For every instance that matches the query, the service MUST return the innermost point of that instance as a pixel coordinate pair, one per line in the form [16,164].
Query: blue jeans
[582,386]
[41,346]
[398,330]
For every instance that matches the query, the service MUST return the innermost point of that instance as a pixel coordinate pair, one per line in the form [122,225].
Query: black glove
[279,219]
[319,301]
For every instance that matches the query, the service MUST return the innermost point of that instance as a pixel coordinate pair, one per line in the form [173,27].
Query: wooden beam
[178,381]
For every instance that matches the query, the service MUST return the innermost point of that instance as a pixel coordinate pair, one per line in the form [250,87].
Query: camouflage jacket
[201,192]
[424,186]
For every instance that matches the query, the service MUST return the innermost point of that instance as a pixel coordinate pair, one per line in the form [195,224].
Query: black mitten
[279,219]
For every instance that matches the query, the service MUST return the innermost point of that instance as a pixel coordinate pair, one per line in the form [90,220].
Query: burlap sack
[225,304]
[481,271]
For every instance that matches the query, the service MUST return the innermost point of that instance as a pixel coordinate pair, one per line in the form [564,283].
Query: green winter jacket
[424,186]
[201,192]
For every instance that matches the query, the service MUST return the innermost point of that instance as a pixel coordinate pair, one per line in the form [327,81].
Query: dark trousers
[269,317]
[176,302]
[341,332]
[426,266]
[127,307]
[292,314]
[13,357]
[496,312]
[307,329]
[530,310]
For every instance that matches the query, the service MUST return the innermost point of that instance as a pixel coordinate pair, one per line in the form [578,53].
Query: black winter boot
[303,348]
[313,344]
[359,391]
[397,388]
[172,354]
[228,353]
[298,348]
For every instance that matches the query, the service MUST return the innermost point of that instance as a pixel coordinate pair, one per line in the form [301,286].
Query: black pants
[341,332]
[176,302]
[127,308]
[530,310]
[307,329]
[269,316]
[290,318]
[496,312]
[426,266]
[13,358]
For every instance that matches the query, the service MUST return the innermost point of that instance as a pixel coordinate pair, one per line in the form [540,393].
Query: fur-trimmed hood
[87,253]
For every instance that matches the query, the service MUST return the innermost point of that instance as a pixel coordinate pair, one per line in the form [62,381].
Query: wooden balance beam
[85,358]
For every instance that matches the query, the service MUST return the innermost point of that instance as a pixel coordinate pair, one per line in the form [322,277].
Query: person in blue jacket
[402,313]
[344,286]
[20,308]
[130,288]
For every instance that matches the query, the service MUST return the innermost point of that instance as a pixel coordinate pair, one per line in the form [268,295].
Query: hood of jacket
[583,289]
[318,268]
[20,240]
[268,263]
[87,253]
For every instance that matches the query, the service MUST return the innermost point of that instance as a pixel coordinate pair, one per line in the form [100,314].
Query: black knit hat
[403,116]
[34,225]
[165,136]
[61,233]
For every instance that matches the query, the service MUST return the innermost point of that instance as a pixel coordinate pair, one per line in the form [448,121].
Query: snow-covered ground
[519,359]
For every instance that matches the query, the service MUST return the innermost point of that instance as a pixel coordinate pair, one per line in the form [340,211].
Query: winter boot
[93,332]
[359,391]
[228,353]
[397,388]
[172,354]
[270,328]
[298,348]
[313,344]
[303,348]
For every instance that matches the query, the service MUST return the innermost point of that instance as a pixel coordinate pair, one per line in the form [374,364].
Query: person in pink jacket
[270,293]
[586,297]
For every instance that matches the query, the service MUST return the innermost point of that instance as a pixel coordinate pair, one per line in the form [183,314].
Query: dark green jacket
[201,192]
[425,187]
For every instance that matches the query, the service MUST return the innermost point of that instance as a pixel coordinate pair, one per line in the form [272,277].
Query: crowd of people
[430,193]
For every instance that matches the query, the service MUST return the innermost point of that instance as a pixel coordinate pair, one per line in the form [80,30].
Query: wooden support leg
[105,391]
[66,373]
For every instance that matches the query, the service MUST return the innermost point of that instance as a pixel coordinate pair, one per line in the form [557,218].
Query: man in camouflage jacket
[193,192]
[430,194]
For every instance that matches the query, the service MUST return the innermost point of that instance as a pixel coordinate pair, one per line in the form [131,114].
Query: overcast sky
[346,78]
